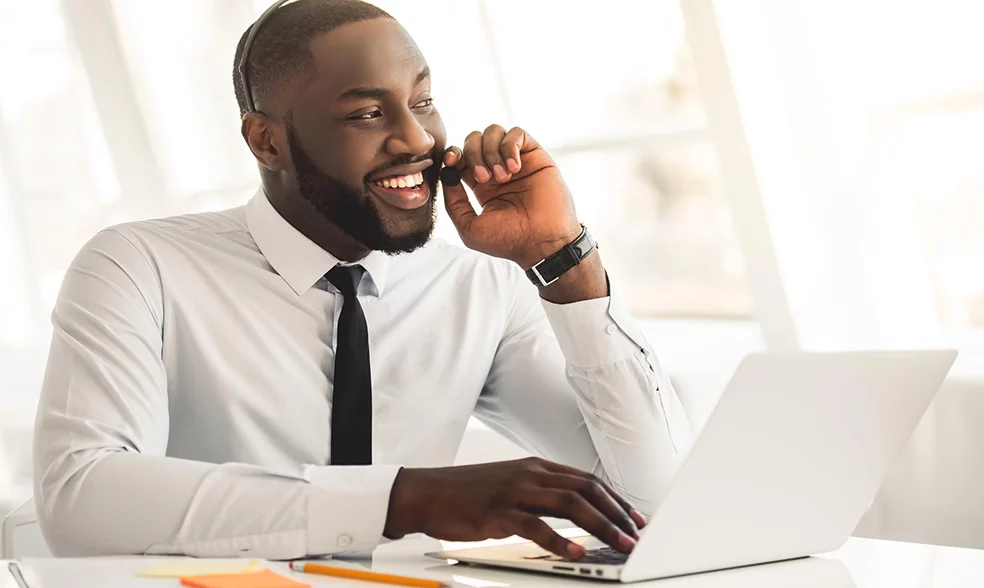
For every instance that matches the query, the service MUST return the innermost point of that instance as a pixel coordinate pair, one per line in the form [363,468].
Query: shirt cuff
[594,333]
[347,512]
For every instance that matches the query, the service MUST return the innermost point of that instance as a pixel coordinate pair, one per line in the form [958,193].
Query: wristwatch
[550,269]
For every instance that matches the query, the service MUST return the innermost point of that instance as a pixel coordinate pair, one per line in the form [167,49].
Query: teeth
[411,181]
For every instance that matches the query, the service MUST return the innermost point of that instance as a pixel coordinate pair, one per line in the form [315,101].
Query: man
[292,377]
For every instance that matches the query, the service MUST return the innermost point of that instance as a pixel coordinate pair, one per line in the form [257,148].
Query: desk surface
[862,563]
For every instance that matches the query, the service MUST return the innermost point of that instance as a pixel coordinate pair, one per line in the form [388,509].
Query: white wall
[935,492]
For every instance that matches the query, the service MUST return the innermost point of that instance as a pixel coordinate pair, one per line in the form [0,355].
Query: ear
[265,139]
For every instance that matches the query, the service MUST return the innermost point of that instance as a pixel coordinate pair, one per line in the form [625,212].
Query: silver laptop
[786,466]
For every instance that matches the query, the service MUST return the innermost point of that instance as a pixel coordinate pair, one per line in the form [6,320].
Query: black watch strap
[548,270]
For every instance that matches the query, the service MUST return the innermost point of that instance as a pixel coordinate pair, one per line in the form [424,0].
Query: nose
[409,137]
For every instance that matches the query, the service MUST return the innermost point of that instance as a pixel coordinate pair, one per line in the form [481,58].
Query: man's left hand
[527,210]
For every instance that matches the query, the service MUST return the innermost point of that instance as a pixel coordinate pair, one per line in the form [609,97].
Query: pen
[18,576]
[364,575]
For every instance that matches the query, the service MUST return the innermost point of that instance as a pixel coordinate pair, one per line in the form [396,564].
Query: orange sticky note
[260,579]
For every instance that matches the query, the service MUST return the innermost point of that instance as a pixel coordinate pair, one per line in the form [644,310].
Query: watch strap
[550,269]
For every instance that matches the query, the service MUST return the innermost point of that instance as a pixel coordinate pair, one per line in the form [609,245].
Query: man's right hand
[496,500]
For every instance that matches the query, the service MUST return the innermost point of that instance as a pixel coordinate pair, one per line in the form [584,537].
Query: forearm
[639,432]
[578,383]
[586,281]
[97,503]
[634,417]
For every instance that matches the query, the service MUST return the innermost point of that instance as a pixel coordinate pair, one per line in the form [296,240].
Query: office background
[763,174]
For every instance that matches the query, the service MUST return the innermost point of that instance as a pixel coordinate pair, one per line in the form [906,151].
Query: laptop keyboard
[601,556]
[604,556]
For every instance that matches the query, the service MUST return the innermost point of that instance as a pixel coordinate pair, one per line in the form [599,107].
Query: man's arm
[614,395]
[579,384]
[102,482]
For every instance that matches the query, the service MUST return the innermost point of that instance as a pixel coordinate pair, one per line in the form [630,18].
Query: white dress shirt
[186,405]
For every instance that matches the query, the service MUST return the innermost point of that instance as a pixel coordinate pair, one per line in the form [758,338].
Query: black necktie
[351,405]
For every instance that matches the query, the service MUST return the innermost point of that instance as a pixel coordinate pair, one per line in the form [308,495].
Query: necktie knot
[346,278]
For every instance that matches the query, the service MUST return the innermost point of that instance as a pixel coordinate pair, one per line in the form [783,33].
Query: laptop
[789,461]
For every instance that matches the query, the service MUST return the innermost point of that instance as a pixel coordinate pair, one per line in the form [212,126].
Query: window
[615,101]
[943,148]
[865,152]
[124,109]
[56,183]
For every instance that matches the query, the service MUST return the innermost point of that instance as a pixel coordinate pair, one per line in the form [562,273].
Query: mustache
[402,161]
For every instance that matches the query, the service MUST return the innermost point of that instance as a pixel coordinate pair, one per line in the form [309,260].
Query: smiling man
[293,377]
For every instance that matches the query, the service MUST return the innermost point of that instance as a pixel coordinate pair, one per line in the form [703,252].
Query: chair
[22,534]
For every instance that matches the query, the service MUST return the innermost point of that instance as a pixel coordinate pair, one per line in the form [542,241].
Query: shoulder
[476,279]
[445,256]
[206,227]
[132,252]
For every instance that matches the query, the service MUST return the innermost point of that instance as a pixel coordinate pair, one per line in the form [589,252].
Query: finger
[570,505]
[491,144]
[531,527]
[510,148]
[628,508]
[452,156]
[598,495]
[474,161]
[456,202]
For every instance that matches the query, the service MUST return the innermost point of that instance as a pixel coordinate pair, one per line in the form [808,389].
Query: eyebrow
[363,93]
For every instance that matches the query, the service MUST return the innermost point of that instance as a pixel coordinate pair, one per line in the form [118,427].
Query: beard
[353,210]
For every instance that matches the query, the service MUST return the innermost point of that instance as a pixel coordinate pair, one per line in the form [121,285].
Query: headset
[244,61]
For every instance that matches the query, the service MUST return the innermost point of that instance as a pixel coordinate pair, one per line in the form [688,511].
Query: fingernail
[450,176]
[626,542]
[513,165]
[575,550]
[500,172]
[640,519]
[482,174]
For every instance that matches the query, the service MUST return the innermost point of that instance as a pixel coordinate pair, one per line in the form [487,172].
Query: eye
[371,115]
[424,103]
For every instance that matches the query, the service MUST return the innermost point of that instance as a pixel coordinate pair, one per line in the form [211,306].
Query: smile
[403,192]
[410,181]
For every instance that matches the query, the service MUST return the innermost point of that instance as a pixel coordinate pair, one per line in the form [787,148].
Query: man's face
[364,126]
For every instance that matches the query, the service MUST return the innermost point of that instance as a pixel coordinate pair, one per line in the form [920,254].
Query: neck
[313,225]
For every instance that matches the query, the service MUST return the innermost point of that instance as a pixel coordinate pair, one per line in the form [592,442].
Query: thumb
[456,202]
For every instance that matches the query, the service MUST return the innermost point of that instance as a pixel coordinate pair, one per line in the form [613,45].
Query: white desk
[862,563]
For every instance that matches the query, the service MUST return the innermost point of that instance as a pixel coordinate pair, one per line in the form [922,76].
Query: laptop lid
[790,459]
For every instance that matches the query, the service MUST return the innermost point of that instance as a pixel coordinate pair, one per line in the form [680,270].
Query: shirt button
[344,540]
[611,329]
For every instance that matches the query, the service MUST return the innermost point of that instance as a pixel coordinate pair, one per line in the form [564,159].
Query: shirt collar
[299,260]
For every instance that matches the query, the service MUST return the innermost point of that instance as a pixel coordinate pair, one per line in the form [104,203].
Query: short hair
[281,48]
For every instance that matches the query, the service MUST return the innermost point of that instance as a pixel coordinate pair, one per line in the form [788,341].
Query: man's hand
[496,500]
[527,210]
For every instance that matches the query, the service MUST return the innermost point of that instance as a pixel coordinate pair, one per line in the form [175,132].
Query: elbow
[66,501]
[57,510]
[61,539]
[62,535]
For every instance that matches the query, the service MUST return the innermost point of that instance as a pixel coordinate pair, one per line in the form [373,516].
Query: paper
[260,579]
[196,567]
